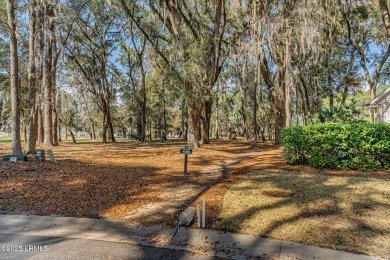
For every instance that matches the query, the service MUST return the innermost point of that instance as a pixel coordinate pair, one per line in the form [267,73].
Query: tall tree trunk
[25,133]
[104,130]
[217,116]
[72,135]
[230,130]
[54,97]
[193,123]
[255,115]
[93,131]
[243,109]
[330,88]
[59,132]
[208,105]
[150,126]
[279,123]
[164,119]
[288,101]
[55,114]
[41,132]
[305,95]
[55,127]
[48,75]
[287,70]
[40,66]
[14,70]
[32,140]
[143,105]
[240,74]
[184,119]
[278,102]
[280,110]
[109,124]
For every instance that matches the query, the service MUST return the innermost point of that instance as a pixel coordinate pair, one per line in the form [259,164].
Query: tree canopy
[189,69]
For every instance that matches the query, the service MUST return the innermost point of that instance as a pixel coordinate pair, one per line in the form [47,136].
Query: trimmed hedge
[363,146]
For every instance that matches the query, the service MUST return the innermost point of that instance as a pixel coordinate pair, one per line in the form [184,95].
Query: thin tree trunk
[255,115]
[54,97]
[40,62]
[150,127]
[243,109]
[48,75]
[72,135]
[93,131]
[143,105]
[230,130]
[217,117]
[104,130]
[287,70]
[14,70]
[164,120]
[109,125]
[330,88]
[55,127]
[55,114]
[59,132]
[32,140]
[208,104]
[184,119]
[305,95]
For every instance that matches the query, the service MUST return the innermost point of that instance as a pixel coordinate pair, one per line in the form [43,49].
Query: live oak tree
[191,37]
[134,59]
[360,20]
[96,34]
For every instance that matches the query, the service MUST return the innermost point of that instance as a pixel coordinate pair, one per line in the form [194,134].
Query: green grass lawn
[344,213]
[7,139]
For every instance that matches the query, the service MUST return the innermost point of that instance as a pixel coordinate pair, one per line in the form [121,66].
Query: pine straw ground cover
[107,181]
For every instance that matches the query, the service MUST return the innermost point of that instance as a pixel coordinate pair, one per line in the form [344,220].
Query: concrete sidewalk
[65,234]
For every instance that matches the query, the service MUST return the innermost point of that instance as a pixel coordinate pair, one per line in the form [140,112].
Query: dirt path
[173,200]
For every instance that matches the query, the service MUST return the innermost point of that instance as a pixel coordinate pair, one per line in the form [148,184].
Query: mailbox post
[39,156]
[186,151]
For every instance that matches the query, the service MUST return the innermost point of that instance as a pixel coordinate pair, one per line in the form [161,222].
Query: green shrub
[362,145]
[340,114]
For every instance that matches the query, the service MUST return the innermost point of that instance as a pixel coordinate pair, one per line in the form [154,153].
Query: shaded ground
[347,213]
[127,180]
[133,181]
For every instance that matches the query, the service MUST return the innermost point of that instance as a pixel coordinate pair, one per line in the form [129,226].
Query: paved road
[20,247]
[40,237]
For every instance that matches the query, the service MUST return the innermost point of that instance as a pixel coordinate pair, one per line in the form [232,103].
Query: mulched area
[107,180]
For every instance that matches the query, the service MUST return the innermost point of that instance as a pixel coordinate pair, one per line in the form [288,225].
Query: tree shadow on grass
[322,210]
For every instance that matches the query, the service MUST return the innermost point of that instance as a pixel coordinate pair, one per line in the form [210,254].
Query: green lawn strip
[343,213]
